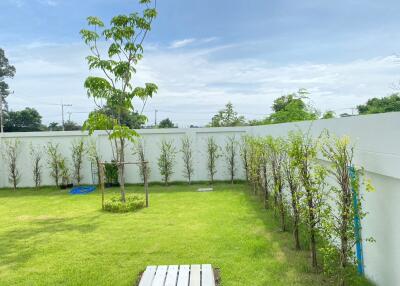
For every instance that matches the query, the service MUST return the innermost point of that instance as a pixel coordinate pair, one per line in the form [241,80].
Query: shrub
[11,156]
[54,157]
[78,150]
[187,157]
[230,156]
[111,173]
[132,203]
[138,150]
[166,160]
[213,153]
[36,157]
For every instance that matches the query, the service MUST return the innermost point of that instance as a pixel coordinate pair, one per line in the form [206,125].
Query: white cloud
[193,84]
[181,43]
[20,3]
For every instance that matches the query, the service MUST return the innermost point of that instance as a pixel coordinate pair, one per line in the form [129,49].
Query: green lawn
[49,237]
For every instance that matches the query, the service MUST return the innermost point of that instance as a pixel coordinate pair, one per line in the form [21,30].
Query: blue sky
[205,53]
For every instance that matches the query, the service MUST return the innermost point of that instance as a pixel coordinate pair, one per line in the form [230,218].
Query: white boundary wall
[376,138]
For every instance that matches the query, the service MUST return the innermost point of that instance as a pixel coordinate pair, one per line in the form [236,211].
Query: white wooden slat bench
[178,275]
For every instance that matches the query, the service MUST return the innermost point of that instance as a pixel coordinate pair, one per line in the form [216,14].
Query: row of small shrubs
[311,199]
[132,203]
[213,153]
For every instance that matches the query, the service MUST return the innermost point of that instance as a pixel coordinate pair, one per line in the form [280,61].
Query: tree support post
[101,169]
[146,189]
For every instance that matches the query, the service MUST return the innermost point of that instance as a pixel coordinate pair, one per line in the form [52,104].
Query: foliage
[230,155]
[276,159]
[187,157]
[6,70]
[292,179]
[54,126]
[123,38]
[111,173]
[166,160]
[11,154]
[244,152]
[64,171]
[227,117]
[132,119]
[53,161]
[380,105]
[36,153]
[94,157]
[78,151]
[166,123]
[328,114]
[339,226]
[313,208]
[291,107]
[254,162]
[132,203]
[25,120]
[213,153]
[70,125]
[144,168]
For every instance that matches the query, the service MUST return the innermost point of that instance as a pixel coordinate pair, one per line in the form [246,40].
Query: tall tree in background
[166,123]
[292,107]
[124,39]
[25,120]
[380,105]
[6,70]
[132,119]
[227,117]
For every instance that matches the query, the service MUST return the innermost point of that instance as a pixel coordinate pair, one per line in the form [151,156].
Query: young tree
[124,38]
[36,153]
[244,154]
[94,157]
[292,180]
[12,150]
[78,150]
[230,156]
[254,162]
[187,157]
[213,153]
[339,225]
[277,157]
[312,176]
[166,160]
[265,171]
[6,70]
[54,157]
[138,150]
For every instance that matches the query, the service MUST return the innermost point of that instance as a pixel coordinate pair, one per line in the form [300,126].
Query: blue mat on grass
[81,190]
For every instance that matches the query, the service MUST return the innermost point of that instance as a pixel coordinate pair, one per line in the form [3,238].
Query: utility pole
[155,117]
[62,114]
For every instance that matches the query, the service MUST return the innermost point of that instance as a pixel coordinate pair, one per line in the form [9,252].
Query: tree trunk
[311,222]
[121,170]
[293,191]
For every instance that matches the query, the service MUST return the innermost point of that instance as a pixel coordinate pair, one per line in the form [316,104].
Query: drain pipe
[357,222]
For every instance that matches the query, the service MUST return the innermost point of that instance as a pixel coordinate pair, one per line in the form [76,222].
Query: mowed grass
[49,237]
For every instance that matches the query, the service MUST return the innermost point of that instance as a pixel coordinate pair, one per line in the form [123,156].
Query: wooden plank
[207,275]
[194,275]
[172,275]
[148,276]
[183,275]
[159,278]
